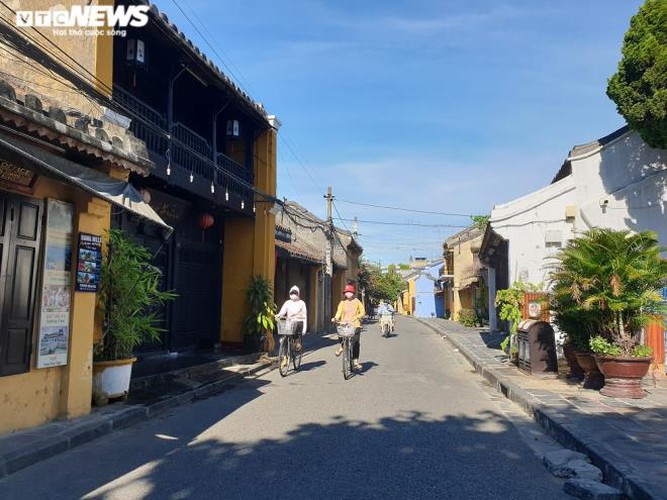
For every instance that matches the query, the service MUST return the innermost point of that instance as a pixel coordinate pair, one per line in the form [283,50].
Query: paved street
[416,423]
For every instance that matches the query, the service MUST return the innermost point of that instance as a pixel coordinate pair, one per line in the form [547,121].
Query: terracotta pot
[576,372]
[623,376]
[593,378]
[111,379]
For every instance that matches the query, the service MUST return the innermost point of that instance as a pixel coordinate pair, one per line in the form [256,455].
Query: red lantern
[206,221]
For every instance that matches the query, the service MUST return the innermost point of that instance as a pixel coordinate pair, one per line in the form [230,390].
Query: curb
[565,433]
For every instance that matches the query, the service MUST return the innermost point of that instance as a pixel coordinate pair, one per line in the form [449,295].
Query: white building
[615,182]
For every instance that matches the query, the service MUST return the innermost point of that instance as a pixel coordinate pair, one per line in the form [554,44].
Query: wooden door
[20,234]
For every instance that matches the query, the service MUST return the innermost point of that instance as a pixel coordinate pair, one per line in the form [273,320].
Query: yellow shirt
[350,311]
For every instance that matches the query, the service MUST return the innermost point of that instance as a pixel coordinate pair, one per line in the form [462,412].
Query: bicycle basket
[345,330]
[286,327]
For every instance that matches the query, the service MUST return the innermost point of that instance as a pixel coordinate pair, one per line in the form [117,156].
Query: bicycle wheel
[347,358]
[284,355]
[297,354]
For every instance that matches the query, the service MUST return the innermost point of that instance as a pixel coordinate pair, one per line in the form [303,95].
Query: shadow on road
[306,367]
[409,455]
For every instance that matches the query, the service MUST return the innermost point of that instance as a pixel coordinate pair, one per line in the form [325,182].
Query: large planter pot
[623,376]
[252,343]
[569,353]
[593,378]
[111,379]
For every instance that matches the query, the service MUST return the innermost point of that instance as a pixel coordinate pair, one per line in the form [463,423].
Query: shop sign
[54,318]
[16,175]
[88,263]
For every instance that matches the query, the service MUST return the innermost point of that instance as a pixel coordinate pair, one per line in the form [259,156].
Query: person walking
[294,310]
[350,311]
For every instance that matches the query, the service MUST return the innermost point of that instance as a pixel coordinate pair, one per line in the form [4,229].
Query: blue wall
[427,303]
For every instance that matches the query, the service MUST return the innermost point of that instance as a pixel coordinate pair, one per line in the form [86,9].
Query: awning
[116,192]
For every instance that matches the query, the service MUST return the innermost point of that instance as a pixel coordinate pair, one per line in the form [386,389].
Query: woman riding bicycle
[294,309]
[350,311]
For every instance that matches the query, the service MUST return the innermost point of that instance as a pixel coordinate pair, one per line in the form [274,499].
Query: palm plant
[129,296]
[259,320]
[605,283]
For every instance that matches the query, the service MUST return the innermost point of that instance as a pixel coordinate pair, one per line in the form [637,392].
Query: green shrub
[467,317]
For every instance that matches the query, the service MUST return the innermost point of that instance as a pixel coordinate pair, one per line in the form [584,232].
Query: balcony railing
[186,149]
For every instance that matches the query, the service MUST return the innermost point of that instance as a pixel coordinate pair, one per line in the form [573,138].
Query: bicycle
[346,332]
[386,324]
[287,349]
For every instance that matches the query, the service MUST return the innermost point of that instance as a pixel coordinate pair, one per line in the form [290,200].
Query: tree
[480,221]
[639,87]
[378,285]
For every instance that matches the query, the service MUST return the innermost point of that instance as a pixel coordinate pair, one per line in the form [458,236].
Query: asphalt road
[414,424]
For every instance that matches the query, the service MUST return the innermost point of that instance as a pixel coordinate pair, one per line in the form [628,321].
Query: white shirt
[295,310]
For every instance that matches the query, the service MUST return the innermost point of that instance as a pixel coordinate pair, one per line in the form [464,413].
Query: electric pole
[328,274]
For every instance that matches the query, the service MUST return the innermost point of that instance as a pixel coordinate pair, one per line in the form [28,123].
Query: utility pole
[328,274]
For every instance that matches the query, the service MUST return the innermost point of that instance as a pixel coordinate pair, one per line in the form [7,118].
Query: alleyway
[414,424]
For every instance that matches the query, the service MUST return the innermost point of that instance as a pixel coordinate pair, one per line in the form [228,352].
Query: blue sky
[439,105]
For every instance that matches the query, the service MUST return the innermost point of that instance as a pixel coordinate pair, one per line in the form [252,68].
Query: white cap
[294,289]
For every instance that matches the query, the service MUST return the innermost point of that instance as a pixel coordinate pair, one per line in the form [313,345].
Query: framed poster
[54,325]
[88,263]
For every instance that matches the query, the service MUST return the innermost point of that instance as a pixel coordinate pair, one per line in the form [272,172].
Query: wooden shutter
[20,236]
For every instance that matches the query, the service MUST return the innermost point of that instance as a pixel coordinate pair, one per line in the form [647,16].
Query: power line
[241,79]
[282,136]
[110,103]
[403,209]
[208,43]
[404,223]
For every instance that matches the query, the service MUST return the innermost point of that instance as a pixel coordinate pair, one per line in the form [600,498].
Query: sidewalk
[625,438]
[149,397]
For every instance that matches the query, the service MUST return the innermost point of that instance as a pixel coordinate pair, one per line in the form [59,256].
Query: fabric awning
[116,192]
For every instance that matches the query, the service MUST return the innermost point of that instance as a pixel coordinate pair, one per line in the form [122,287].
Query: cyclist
[386,314]
[294,309]
[350,310]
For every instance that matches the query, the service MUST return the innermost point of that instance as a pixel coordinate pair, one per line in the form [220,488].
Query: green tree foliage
[378,285]
[639,87]
[261,311]
[480,221]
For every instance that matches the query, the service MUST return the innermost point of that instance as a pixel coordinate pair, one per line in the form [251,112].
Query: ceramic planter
[111,379]
[593,378]
[569,353]
[623,376]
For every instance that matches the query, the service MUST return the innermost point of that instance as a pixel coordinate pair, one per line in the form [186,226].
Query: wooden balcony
[186,159]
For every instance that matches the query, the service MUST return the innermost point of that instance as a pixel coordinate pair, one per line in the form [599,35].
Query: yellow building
[63,166]
[464,282]
[144,123]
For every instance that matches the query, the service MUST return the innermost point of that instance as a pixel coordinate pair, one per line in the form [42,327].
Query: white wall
[632,177]
[526,222]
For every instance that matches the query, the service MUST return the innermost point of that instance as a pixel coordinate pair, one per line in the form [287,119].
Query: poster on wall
[54,324]
[88,262]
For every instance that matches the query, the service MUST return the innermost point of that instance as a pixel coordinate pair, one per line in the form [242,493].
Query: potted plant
[129,296]
[578,326]
[259,320]
[614,277]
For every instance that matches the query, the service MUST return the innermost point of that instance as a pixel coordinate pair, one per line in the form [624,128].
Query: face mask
[349,295]
[294,297]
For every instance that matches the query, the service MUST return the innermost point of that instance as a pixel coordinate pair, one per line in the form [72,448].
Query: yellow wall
[82,48]
[463,259]
[41,395]
[249,245]
[315,323]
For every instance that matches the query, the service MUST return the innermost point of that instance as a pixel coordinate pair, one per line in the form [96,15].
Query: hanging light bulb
[226,194]
[168,168]
[242,204]
[212,187]
[254,208]
[192,177]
